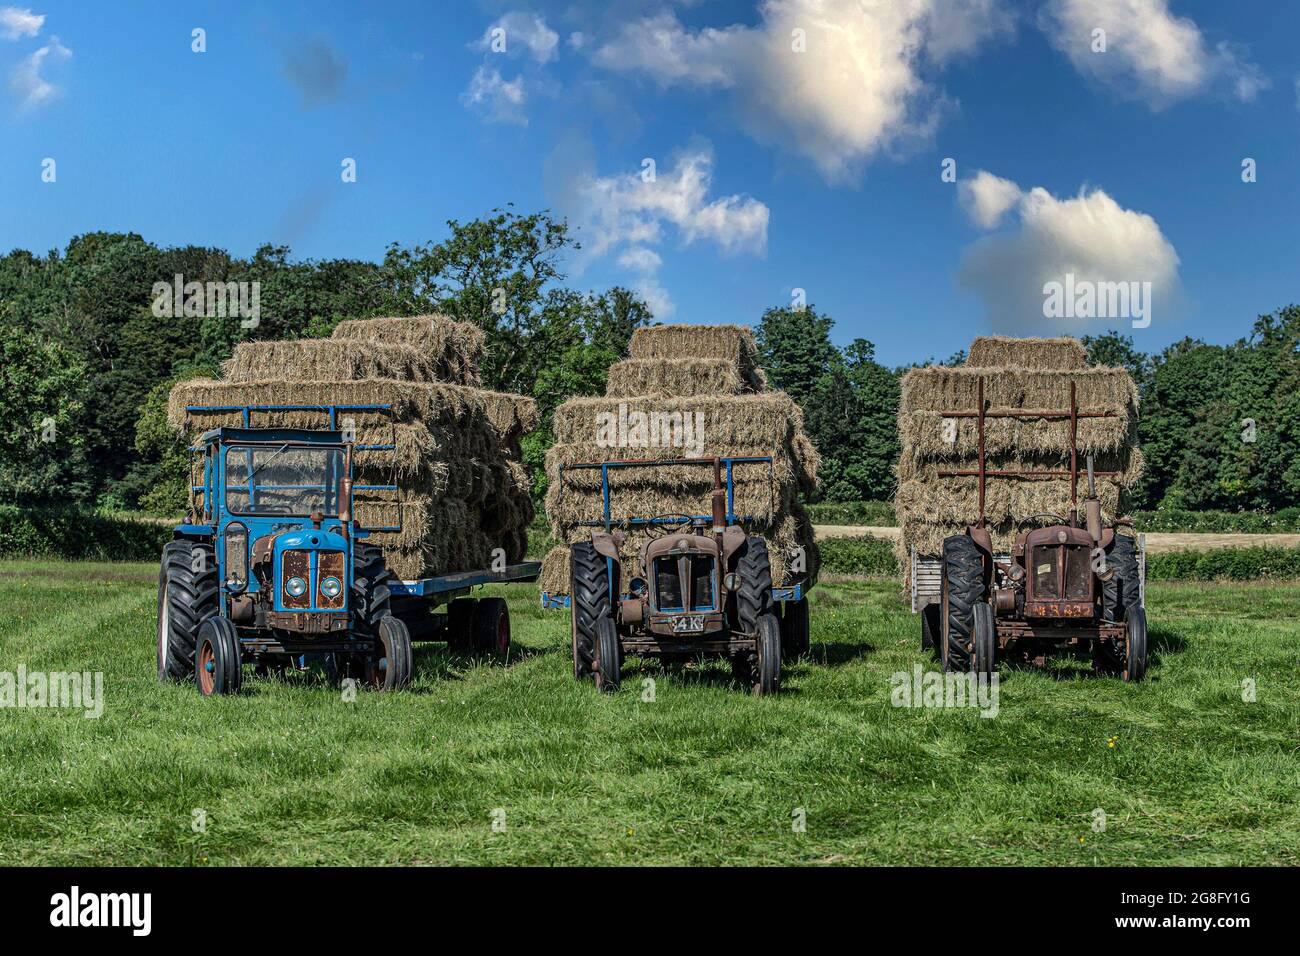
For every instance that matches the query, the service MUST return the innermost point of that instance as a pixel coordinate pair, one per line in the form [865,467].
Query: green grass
[1185,771]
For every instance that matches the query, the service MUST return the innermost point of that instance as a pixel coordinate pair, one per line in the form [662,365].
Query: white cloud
[523,31]
[987,198]
[855,89]
[1090,236]
[500,100]
[1150,53]
[27,81]
[628,209]
[655,296]
[17,22]
[640,259]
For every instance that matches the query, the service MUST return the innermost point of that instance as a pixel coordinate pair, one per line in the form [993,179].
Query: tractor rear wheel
[389,667]
[962,587]
[795,640]
[1123,590]
[187,596]
[370,594]
[492,626]
[983,661]
[1135,655]
[767,670]
[219,665]
[589,603]
[754,596]
[608,665]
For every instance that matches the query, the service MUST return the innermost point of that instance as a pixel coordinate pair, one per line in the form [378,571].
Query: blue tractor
[271,568]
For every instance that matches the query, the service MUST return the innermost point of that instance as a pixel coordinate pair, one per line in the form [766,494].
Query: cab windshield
[283,479]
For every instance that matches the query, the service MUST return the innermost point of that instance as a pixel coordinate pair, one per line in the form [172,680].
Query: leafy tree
[794,347]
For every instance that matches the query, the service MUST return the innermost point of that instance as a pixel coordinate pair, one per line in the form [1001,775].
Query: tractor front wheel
[983,661]
[1135,655]
[218,659]
[389,666]
[187,596]
[767,671]
[608,665]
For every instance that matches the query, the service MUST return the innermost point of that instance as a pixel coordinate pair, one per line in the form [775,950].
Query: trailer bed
[445,584]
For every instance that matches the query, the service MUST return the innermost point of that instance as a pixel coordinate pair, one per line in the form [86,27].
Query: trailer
[707,588]
[272,569]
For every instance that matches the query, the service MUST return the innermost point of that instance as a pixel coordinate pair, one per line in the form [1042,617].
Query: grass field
[1185,771]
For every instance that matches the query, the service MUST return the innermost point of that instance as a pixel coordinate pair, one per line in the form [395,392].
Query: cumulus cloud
[628,215]
[1089,237]
[987,198]
[18,22]
[1150,54]
[499,100]
[835,80]
[521,32]
[28,80]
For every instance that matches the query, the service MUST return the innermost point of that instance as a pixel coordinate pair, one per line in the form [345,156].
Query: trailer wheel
[962,586]
[609,656]
[492,626]
[931,628]
[389,666]
[589,603]
[1135,655]
[985,644]
[460,624]
[186,598]
[767,672]
[370,594]
[1123,590]
[754,596]
[219,666]
[795,640]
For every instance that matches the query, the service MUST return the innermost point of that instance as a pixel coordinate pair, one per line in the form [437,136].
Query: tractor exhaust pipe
[345,496]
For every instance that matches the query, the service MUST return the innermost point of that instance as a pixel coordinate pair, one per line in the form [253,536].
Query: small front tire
[219,665]
[389,667]
[1135,654]
[767,669]
[608,665]
[983,661]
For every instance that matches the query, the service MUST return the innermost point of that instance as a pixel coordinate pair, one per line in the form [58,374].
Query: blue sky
[775,168]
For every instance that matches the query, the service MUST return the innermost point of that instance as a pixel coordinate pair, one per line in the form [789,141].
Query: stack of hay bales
[686,391]
[1018,374]
[461,489]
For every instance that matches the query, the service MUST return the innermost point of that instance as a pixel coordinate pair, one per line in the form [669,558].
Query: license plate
[689,624]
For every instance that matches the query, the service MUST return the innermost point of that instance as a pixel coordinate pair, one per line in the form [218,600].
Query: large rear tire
[589,603]
[754,596]
[962,587]
[1123,590]
[370,594]
[187,597]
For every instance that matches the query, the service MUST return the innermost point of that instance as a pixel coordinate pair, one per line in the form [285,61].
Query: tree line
[85,364]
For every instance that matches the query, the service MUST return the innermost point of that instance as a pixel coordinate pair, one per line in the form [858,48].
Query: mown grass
[1185,770]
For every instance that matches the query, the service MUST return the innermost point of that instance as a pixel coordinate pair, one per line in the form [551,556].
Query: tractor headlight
[330,587]
[295,587]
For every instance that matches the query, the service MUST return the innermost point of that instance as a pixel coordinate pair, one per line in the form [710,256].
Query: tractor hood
[309,569]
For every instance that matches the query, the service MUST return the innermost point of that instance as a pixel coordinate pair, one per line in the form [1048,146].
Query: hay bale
[731,343]
[940,388]
[670,378]
[454,349]
[315,360]
[1000,351]
[928,436]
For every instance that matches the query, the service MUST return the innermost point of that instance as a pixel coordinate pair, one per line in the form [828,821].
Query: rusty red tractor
[1070,583]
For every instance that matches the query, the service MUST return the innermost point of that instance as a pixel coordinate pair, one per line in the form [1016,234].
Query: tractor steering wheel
[663,525]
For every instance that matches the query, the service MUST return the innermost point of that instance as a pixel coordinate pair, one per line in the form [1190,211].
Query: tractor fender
[733,538]
[606,544]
